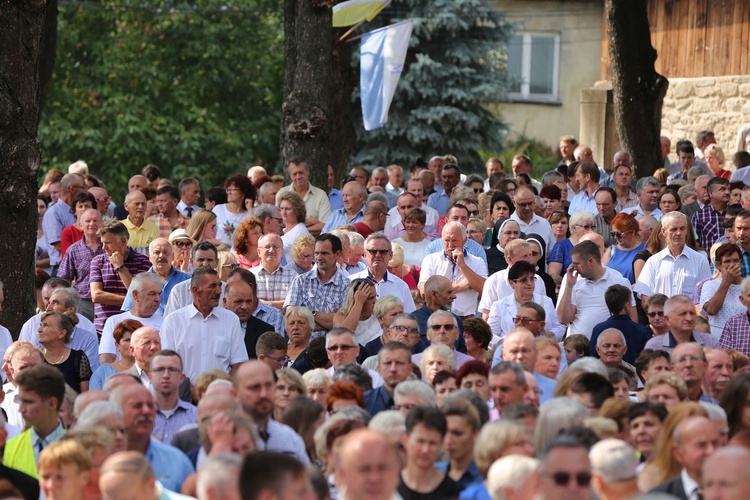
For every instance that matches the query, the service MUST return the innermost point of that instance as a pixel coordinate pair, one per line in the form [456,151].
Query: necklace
[55,362]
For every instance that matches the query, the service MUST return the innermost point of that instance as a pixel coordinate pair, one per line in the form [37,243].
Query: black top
[495,260]
[255,328]
[25,484]
[448,489]
[75,369]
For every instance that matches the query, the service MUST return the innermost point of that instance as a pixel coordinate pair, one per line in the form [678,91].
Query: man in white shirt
[408,200]
[529,222]
[205,336]
[146,291]
[377,254]
[466,272]
[497,286]
[581,304]
[676,269]
[204,254]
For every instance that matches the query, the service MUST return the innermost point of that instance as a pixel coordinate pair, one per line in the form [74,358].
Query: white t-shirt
[291,235]
[107,342]
[413,252]
[227,222]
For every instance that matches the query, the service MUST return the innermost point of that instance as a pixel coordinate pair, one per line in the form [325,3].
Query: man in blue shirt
[441,200]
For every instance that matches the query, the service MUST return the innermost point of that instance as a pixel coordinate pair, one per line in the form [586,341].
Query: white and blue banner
[382,58]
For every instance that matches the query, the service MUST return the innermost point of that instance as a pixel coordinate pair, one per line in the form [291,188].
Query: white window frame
[525,94]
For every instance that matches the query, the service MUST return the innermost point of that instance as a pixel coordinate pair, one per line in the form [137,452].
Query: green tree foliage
[193,87]
[454,68]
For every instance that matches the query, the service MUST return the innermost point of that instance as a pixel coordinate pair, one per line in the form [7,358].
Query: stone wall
[720,104]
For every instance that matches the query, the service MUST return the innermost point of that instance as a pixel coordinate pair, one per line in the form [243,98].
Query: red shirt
[363,229]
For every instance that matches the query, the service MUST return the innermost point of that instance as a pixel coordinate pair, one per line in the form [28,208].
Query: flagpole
[349,32]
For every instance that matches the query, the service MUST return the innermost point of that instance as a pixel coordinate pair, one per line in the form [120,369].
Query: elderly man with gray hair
[647,189]
[613,466]
[466,272]
[442,328]
[413,393]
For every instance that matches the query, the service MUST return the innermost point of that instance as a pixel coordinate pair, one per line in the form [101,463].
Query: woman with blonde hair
[299,324]
[289,385]
[666,388]
[203,227]
[227,262]
[713,155]
[436,358]
[357,312]
[293,213]
[397,267]
[549,356]
[302,253]
[55,331]
[246,242]
[663,465]
[64,468]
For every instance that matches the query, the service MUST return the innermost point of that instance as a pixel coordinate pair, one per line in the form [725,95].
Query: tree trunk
[306,115]
[638,89]
[21,29]
[344,80]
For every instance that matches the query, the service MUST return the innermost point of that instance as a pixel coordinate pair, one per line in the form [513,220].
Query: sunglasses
[617,234]
[448,328]
[655,314]
[183,244]
[563,478]
[375,251]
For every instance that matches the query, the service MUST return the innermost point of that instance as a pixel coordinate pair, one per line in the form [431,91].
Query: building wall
[580,27]
[721,104]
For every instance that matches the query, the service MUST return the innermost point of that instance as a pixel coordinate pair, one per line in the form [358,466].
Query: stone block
[728,89]
[682,104]
[683,90]
[744,89]
[704,92]
[734,104]
[704,82]
[706,105]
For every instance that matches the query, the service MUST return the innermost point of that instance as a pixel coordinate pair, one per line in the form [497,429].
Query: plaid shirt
[307,290]
[275,285]
[165,228]
[103,272]
[165,427]
[745,261]
[736,334]
[708,224]
[76,264]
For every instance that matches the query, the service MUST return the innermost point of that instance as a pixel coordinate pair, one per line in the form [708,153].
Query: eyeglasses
[474,213]
[563,478]
[526,281]
[343,347]
[282,361]
[448,328]
[408,329]
[231,190]
[278,219]
[376,251]
[231,267]
[655,314]
[183,244]
[167,369]
[523,321]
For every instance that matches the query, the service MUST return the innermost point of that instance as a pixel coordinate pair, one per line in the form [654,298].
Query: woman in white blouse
[293,214]
[720,297]
[415,241]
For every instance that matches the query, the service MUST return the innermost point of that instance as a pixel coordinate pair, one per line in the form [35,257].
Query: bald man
[367,466]
[135,183]
[725,474]
[142,231]
[519,347]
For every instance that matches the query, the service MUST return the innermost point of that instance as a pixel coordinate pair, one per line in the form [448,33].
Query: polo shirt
[57,218]
[175,276]
[316,201]
[440,201]
[438,264]
[389,285]
[667,342]
[171,466]
[537,225]
[141,236]
[588,299]
[214,342]
[340,217]
[103,272]
[664,273]
[107,342]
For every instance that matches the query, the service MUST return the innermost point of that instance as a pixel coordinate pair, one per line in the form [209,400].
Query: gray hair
[388,422]
[666,219]
[646,181]
[557,414]
[671,302]
[355,239]
[715,412]
[378,236]
[438,350]
[622,336]
[217,472]
[439,313]
[300,311]
[97,411]
[382,198]
[338,332]
[421,389]
[140,280]
[591,365]
[580,215]
[510,366]
[745,284]
[619,154]
[509,472]
[355,412]
[264,187]
[452,224]
[614,460]
[265,210]
[71,296]
[317,378]
[551,177]
[408,316]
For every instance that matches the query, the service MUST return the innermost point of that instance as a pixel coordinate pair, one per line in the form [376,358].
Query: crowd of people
[446,335]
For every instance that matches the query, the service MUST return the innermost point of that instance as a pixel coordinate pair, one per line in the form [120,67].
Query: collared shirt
[141,236]
[281,438]
[175,276]
[602,228]
[167,425]
[583,201]
[76,265]
[145,379]
[708,223]
[273,285]
[294,267]
[39,443]
[745,261]
[691,487]
[102,271]
[316,202]
[440,201]
[438,264]
[181,296]
[10,405]
[214,342]
[503,311]
[57,218]
[107,342]
[340,217]
[389,285]
[84,337]
[377,400]
[307,290]
[588,299]
[165,228]
[469,476]
[394,227]
[736,333]
[171,466]
[638,212]
[357,268]
[667,342]
[670,275]
[335,199]
[461,358]
[497,287]
[471,246]
[182,208]
[629,202]
[270,315]
[537,225]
